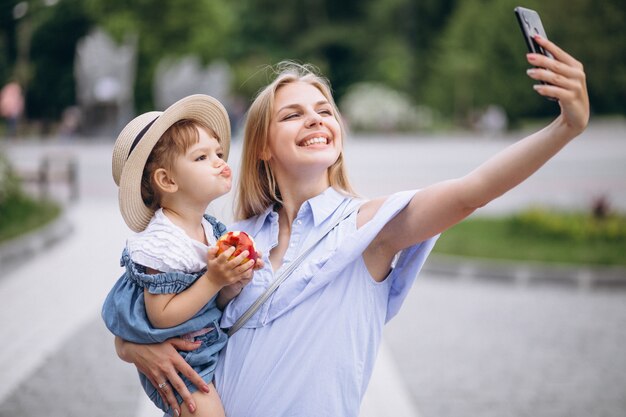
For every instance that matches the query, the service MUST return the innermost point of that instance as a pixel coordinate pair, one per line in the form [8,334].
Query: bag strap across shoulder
[285,274]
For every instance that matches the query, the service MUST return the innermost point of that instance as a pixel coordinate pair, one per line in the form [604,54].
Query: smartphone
[530,23]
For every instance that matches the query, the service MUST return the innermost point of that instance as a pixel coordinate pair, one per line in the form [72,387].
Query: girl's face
[304,135]
[201,174]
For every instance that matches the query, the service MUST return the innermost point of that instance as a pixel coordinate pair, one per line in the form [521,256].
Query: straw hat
[135,142]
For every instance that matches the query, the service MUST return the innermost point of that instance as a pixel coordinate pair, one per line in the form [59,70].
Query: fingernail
[192,407]
[177,412]
[537,86]
[530,57]
[206,388]
[530,71]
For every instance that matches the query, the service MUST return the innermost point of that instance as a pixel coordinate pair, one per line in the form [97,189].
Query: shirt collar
[322,206]
[325,204]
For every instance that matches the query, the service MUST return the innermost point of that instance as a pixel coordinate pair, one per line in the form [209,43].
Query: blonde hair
[257,188]
[175,141]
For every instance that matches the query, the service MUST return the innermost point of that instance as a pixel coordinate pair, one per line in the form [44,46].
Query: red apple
[241,241]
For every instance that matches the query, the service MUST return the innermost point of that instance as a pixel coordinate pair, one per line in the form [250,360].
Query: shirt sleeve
[405,271]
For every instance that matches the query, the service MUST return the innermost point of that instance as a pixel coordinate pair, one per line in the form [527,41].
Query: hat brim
[198,107]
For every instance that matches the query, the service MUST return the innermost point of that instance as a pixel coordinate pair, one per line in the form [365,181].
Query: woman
[310,349]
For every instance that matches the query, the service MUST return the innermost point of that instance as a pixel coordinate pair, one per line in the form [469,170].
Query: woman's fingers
[558,53]
[566,82]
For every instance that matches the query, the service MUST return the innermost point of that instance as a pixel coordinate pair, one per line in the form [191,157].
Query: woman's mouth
[314,141]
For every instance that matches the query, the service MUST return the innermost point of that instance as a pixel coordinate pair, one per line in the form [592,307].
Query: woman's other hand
[161,363]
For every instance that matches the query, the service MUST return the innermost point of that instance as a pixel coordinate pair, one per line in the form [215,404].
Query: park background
[444,62]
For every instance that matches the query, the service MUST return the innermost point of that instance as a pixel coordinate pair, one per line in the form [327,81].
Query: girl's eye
[220,155]
[201,158]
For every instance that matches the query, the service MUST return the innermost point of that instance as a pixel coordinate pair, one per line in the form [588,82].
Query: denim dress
[124,313]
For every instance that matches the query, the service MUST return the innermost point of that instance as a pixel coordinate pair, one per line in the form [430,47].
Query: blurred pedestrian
[310,348]
[11,106]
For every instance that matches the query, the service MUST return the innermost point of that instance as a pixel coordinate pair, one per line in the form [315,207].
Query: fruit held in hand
[241,241]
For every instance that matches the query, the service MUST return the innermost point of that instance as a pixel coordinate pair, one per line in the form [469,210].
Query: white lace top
[165,247]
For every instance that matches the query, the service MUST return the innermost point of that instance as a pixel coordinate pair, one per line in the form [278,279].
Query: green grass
[539,236]
[20,214]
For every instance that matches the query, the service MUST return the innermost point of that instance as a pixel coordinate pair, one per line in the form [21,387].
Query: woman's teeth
[314,141]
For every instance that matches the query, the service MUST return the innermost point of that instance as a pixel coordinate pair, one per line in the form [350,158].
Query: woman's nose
[313,119]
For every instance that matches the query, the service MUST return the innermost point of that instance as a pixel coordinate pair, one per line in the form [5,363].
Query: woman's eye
[290,116]
[326,112]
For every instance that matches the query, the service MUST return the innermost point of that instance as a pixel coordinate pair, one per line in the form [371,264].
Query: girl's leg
[207,404]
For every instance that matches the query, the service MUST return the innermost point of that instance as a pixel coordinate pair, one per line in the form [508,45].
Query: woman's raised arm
[440,206]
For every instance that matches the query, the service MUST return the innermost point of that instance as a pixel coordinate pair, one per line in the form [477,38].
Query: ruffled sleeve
[162,283]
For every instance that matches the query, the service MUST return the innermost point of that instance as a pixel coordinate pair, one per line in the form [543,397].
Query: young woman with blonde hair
[310,348]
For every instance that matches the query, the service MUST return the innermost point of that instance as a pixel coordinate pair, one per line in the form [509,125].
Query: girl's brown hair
[257,188]
[176,140]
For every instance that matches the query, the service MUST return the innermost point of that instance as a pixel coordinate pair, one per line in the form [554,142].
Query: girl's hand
[161,363]
[231,291]
[224,271]
[567,78]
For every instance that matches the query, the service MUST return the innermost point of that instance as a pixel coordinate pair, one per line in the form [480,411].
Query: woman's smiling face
[304,135]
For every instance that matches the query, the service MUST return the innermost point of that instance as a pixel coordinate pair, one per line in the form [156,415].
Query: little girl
[169,166]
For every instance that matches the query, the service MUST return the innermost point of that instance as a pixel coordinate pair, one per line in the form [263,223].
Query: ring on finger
[163,385]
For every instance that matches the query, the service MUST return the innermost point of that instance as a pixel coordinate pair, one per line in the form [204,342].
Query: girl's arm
[168,310]
[436,208]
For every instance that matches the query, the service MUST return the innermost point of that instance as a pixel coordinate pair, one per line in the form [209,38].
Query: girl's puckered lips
[226,172]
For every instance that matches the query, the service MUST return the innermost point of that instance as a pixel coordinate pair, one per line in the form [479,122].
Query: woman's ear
[164,181]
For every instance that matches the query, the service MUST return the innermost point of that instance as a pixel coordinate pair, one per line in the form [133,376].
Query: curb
[582,277]
[14,251]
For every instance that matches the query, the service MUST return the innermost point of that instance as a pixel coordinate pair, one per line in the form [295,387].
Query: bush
[576,226]
[20,213]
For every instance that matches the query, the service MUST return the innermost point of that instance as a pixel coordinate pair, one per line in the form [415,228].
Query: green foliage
[21,214]
[51,87]
[480,56]
[456,56]
[9,182]
[18,212]
[538,235]
[577,226]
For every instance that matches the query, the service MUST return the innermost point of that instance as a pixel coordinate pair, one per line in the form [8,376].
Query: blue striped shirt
[310,349]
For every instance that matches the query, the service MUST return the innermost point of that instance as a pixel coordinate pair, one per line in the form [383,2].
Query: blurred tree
[350,41]
[480,60]
[594,33]
[8,43]
[166,28]
[480,56]
[51,88]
